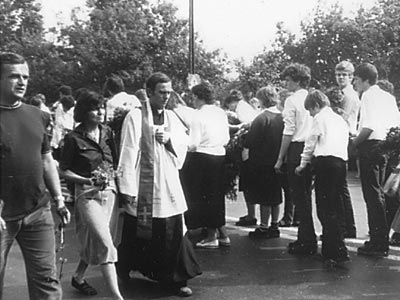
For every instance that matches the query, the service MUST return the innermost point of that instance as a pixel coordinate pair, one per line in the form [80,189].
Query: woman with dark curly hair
[88,160]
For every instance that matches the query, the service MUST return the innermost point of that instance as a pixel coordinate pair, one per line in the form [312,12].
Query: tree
[137,37]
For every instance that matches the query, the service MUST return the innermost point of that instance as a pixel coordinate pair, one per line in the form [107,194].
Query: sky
[241,28]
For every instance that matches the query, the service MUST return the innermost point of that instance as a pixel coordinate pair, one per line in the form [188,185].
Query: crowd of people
[165,166]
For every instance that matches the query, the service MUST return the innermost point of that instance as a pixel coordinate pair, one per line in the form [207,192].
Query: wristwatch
[59,198]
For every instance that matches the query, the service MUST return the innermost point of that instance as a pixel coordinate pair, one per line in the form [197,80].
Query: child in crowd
[327,146]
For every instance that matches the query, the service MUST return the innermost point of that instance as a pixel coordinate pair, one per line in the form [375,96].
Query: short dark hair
[367,71]
[298,73]
[113,84]
[316,98]
[36,100]
[204,91]
[87,102]
[267,95]
[156,78]
[10,58]
[67,102]
[65,90]
[234,96]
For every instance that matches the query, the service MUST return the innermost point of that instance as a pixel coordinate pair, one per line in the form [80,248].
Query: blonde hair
[345,66]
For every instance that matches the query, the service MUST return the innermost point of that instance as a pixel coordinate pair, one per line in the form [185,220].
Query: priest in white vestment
[153,149]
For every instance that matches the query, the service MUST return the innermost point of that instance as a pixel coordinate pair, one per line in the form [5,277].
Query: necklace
[9,107]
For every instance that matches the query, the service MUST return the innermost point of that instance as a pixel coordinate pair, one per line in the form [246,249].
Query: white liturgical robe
[168,197]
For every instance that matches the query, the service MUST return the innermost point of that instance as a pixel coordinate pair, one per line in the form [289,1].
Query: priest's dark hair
[154,79]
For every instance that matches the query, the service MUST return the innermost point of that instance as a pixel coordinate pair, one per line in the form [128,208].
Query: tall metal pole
[191,37]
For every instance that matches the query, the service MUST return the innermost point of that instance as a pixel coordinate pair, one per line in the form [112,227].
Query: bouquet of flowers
[233,160]
[102,176]
[116,123]
[391,145]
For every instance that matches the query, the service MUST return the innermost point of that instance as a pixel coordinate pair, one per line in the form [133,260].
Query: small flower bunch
[102,176]
[233,160]
[118,118]
[391,145]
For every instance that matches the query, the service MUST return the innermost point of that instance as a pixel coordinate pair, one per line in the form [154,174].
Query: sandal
[83,287]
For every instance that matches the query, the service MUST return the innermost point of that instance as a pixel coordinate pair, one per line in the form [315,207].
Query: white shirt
[245,112]
[209,131]
[379,112]
[329,136]
[121,100]
[296,118]
[351,107]
[62,121]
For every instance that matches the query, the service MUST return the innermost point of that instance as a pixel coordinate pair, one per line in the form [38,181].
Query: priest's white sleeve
[130,154]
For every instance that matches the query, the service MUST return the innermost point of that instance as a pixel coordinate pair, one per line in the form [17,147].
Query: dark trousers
[347,217]
[300,191]
[330,177]
[372,174]
[289,214]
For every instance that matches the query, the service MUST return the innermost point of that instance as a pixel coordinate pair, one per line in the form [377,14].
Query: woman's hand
[298,170]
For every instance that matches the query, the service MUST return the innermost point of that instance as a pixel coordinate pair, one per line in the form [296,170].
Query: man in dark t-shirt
[26,170]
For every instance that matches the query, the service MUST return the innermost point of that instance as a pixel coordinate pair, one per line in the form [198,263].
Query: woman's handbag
[392,184]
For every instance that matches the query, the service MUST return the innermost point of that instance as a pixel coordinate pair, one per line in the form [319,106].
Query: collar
[10,107]
[155,111]
[273,109]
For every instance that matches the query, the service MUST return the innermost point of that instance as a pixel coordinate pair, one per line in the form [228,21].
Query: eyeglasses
[341,74]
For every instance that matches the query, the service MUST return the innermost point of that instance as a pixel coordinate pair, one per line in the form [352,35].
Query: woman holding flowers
[88,160]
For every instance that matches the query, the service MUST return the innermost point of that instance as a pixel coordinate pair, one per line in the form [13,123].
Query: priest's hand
[162,136]
[125,199]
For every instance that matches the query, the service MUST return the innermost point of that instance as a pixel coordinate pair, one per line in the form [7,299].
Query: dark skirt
[168,257]
[264,185]
[203,185]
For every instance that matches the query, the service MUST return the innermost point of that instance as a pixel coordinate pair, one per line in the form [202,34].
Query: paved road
[249,269]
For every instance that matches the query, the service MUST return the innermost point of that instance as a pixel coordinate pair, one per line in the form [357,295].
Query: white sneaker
[208,245]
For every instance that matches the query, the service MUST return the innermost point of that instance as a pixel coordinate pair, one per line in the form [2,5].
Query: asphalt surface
[249,269]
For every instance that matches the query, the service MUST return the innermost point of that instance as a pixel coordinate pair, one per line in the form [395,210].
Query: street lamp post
[191,37]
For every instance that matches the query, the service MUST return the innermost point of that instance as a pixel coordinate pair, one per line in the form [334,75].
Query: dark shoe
[224,242]
[243,217]
[122,274]
[349,235]
[296,223]
[395,239]
[264,233]
[372,249]
[245,222]
[394,242]
[285,223]
[83,287]
[302,249]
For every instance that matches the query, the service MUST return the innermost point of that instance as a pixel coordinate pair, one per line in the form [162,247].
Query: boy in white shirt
[326,145]
[378,114]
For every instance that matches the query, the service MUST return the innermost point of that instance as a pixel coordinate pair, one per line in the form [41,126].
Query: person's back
[114,88]
[326,150]
[385,112]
